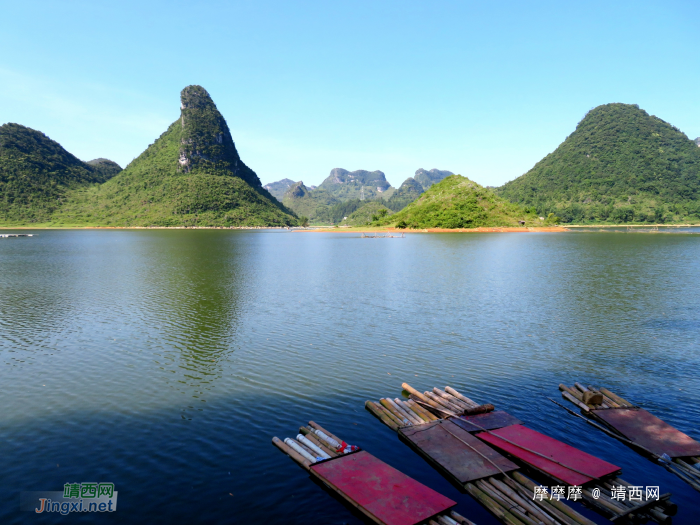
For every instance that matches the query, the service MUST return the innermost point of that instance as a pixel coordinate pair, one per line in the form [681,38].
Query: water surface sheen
[164,361]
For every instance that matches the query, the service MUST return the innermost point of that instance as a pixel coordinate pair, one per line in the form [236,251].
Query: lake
[164,361]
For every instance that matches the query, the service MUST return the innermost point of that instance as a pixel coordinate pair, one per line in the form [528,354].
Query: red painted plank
[455,451]
[652,433]
[385,494]
[568,456]
[488,421]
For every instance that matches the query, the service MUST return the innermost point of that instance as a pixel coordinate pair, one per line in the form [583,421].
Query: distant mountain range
[343,192]
[191,175]
[620,165]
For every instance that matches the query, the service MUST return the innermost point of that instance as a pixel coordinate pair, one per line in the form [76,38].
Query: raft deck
[639,429]
[380,492]
[441,435]
[548,457]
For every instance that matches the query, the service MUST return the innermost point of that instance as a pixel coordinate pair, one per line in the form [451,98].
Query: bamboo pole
[401,411]
[446,520]
[492,505]
[415,419]
[407,406]
[408,388]
[442,413]
[319,427]
[450,399]
[460,519]
[444,405]
[386,417]
[575,401]
[620,401]
[300,449]
[312,437]
[305,463]
[417,408]
[461,397]
[582,388]
[607,400]
[504,502]
[398,422]
[545,506]
[571,391]
[397,413]
[558,505]
[532,509]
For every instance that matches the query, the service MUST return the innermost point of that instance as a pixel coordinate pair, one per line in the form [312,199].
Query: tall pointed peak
[206,143]
[195,97]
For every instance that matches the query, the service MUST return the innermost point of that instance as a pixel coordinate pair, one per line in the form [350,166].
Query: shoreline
[358,229]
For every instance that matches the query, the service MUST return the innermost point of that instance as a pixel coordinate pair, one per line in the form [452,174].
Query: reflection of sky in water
[166,359]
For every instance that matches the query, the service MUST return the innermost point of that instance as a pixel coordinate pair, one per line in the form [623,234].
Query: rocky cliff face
[206,141]
[428,178]
[366,178]
[697,141]
[296,191]
[278,189]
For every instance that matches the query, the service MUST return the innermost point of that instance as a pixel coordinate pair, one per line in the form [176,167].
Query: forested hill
[192,175]
[37,172]
[457,202]
[619,165]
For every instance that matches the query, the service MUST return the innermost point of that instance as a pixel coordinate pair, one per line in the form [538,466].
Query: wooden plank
[380,491]
[563,462]
[647,430]
[455,451]
[490,421]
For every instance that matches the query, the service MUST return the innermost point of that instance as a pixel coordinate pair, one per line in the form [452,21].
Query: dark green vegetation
[191,175]
[105,167]
[308,203]
[457,202]
[367,213]
[37,174]
[278,189]
[409,191]
[620,165]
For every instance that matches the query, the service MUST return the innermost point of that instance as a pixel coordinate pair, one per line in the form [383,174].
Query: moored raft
[475,425]
[380,492]
[641,430]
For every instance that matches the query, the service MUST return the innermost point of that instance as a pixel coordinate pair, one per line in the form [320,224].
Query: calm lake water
[165,361]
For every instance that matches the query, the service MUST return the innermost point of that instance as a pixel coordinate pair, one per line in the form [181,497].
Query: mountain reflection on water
[164,361]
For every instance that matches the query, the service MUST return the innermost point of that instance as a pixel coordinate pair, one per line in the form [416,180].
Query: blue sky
[484,89]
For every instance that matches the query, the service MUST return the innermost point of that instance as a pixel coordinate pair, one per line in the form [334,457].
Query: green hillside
[619,165]
[191,175]
[457,202]
[105,168]
[36,173]
[367,213]
[313,204]
[409,191]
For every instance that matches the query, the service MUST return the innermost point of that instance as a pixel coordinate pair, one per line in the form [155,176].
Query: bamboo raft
[381,493]
[648,435]
[407,416]
[389,236]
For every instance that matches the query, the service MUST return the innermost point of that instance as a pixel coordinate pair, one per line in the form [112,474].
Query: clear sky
[484,89]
